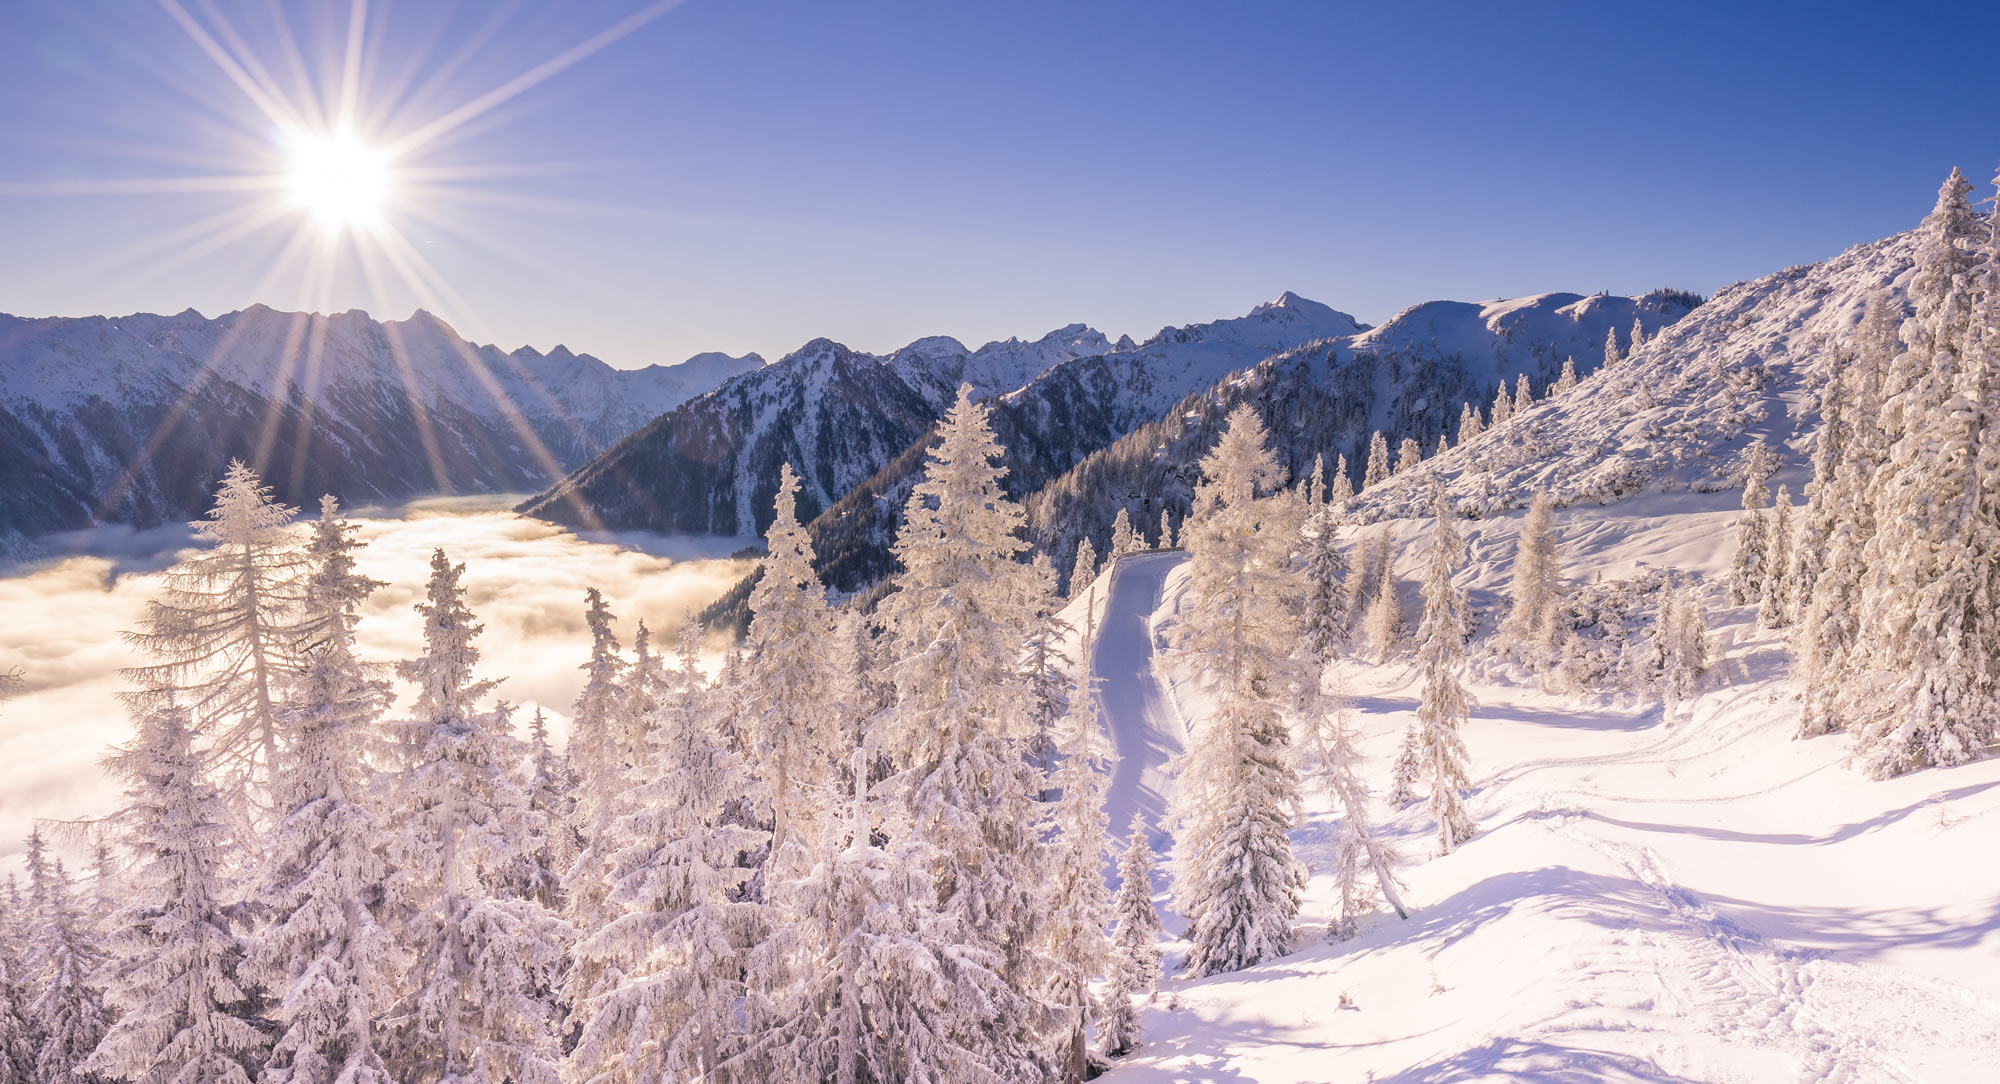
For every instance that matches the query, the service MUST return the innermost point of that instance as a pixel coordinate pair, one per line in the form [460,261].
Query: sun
[340,181]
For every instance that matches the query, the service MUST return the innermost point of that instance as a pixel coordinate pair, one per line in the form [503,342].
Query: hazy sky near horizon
[747,175]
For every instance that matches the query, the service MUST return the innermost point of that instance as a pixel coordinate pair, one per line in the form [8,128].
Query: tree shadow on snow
[1638,719]
[1530,1059]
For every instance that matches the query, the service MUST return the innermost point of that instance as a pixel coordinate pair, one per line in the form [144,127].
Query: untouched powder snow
[1702,900]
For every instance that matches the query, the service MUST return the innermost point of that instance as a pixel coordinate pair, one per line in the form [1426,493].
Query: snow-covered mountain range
[132,418]
[839,415]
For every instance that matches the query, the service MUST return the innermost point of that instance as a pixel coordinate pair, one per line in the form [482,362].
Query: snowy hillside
[1745,366]
[1706,900]
[340,403]
[1407,379]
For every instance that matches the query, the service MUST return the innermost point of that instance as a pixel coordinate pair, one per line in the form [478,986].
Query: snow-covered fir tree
[1166,536]
[793,729]
[1382,625]
[65,1006]
[1638,337]
[1235,877]
[1075,910]
[1408,455]
[1443,706]
[1775,605]
[17,1031]
[1134,965]
[1818,518]
[323,953]
[1340,488]
[1048,668]
[224,629]
[1920,680]
[600,763]
[674,953]
[1524,396]
[182,1015]
[1378,461]
[1684,648]
[1084,572]
[1326,602]
[1612,355]
[1470,425]
[1503,404]
[1124,539]
[1567,382]
[476,1003]
[1748,570]
[958,732]
[552,799]
[1535,590]
[1315,484]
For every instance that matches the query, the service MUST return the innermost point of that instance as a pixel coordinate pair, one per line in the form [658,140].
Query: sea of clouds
[61,617]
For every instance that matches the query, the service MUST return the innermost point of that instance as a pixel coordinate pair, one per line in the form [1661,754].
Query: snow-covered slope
[1707,900]
[1678,414]
[1408,378]
[712,466]
[131,418]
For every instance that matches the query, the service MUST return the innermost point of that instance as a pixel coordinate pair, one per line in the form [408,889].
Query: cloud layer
[60,623]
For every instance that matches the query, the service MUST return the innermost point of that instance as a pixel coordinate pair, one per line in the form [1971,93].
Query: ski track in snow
[1624,971]
[1145,727]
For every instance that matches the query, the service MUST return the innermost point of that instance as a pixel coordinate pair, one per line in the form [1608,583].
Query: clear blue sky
[746,175]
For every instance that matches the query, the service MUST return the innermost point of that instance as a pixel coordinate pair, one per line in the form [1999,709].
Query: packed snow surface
[1706,900]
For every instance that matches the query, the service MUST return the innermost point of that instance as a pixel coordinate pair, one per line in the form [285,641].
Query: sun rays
[341,158]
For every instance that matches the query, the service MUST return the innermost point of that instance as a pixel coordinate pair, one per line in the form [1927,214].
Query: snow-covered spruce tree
[1134,965]
[1048,668]
[1925,690]
[1409,765]
[1529,629]
[322,954]
[1075,910]
[1084,572]
[1747,570]
[1470,425]
[1235,877]
[599,761]
[1567,382]
[225,629]
[1808,557]
[1503,404]
[959,730]
[1124,539]
[1444,445]
[793,730]
[1524,396]
[182,1016]
[673,954]
[17,1032]
[647,683]
[1315,483]
[1612,355]
[552,799]
[1443,707]
[1382,626]
[1408,455]
[475,1005]
[1775,606]
[1684,648]
[1166,539]
[1378,461]
[1832,622]
[1340,488]
[1638,337]
[1326,602]
[1334,762]
[66,1008]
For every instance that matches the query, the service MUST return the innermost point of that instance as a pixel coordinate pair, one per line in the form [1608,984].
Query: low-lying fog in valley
[61,615]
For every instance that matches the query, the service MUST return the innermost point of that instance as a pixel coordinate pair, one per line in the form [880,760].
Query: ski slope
[1707,900]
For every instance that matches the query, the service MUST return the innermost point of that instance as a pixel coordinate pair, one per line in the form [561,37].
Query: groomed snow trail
[1145,727]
